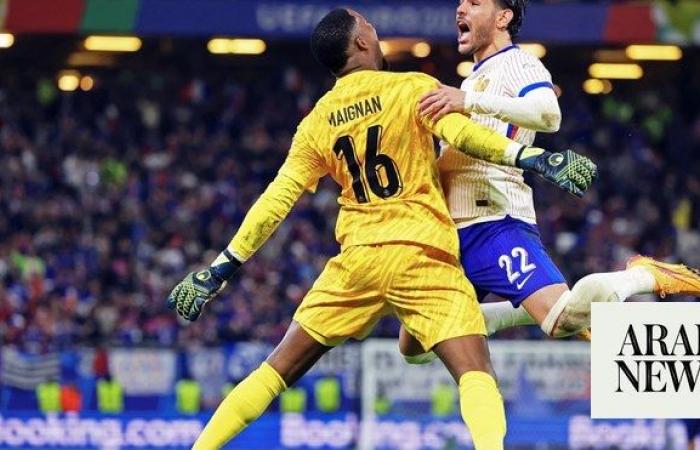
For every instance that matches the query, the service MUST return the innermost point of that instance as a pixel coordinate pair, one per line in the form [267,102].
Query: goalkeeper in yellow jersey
[399,250]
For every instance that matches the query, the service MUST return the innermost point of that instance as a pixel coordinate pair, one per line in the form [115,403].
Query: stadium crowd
[108,197]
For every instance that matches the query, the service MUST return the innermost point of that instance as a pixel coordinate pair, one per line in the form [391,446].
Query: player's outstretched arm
[301,170]
[197,288]
[569,170]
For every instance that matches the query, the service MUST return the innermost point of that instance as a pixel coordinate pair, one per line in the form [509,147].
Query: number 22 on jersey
[379,171]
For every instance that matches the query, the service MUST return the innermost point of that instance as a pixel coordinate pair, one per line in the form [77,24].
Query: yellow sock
[482,409]
[245,403]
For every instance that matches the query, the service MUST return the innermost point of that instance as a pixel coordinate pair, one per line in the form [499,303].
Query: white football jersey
[479,191]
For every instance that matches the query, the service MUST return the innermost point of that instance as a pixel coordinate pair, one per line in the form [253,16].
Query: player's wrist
[225,265]
[528,158]
[512,153]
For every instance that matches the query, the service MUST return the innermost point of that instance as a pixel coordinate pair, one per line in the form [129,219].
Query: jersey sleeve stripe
[531,87]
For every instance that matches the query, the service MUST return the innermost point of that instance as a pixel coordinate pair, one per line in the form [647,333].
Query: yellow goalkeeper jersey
[367,135]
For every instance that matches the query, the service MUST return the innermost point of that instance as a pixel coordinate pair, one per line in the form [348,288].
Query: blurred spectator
[71,398]
[188,396]
[110,396]
[48,395]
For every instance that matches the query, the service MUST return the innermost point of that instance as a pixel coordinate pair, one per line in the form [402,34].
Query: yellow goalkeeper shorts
[425,287]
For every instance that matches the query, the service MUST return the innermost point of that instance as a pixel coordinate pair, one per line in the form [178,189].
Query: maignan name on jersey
[355,111]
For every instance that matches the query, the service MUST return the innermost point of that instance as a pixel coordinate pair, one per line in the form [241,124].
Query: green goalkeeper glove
[570,171]
[191,294]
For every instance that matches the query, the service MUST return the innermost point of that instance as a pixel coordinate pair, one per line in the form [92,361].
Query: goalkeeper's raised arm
[301,170]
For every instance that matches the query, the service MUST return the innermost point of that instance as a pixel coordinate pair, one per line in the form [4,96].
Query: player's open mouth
[462,32]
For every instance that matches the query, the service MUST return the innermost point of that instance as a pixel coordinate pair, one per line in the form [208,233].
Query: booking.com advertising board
[326,432]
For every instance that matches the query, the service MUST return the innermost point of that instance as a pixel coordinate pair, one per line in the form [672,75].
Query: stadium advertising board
[216,366]
[325,432]
[143,371]
[552,371]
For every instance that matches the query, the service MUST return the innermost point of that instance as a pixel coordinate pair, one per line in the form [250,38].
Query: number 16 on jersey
[380,171]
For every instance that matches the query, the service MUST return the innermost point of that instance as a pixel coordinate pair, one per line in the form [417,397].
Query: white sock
[500,315]
[572,312]
[627,283]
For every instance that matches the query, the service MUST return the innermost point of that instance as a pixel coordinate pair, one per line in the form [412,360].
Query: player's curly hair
[331,38]
[518,8]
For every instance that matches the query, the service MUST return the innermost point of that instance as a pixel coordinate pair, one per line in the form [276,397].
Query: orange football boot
[670,278]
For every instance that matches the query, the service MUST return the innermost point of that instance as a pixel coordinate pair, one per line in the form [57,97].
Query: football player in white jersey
[502,254]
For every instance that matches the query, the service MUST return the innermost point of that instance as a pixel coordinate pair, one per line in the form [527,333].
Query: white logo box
[647,381]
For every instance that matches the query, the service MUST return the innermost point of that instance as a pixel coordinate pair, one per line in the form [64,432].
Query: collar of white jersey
[503,50]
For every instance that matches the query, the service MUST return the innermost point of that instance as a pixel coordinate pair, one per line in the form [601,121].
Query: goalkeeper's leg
[291,359]
[467,359]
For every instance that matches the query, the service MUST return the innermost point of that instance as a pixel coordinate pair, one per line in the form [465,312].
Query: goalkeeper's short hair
[518,8]
[331,38]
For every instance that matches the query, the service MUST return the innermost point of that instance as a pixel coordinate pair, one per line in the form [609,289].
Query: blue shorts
[506,258]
